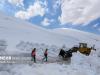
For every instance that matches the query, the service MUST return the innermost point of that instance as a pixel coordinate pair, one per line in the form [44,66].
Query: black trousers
[34,58]
[45,57]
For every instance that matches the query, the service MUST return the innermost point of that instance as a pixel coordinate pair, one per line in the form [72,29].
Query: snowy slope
[14,30]
[77,33]
[81,36]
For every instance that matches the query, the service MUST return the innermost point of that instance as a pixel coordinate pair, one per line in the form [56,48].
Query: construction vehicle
[82,48]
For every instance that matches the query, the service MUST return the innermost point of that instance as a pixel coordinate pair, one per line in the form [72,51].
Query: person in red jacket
[45,55]
[33,54]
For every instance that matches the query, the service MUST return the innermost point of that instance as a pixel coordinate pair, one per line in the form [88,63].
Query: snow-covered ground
[14,31]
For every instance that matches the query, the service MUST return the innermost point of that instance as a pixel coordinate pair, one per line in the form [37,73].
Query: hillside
[80,36]
[14,30]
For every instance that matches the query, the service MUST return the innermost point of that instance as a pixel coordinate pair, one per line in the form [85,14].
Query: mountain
[80,36]
[14,30]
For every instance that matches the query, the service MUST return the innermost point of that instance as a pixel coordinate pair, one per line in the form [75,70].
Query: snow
[15,30]
[51,69]
[81,36]
[19,34]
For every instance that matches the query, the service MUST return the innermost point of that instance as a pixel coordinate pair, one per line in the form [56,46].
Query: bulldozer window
[83,45]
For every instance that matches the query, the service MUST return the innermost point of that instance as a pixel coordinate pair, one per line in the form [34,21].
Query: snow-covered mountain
[14,30]
[80,36]
[77,33]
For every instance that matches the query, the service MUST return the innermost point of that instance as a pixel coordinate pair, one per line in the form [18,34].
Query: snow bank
[51,69]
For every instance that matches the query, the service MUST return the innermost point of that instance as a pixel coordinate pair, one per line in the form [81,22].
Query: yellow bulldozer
[82,48]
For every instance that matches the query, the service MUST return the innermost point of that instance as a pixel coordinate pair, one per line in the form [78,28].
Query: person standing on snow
[45,55]
[33,54]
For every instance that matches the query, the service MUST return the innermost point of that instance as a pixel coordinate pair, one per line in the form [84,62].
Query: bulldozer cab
[84,49]
[83,45]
